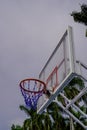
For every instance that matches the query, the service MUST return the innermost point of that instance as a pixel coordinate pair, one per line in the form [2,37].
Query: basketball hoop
[31,90]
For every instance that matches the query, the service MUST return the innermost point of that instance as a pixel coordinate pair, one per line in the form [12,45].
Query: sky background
[29,32]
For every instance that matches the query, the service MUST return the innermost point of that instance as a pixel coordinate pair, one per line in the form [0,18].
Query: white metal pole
[71,49]
[71,124]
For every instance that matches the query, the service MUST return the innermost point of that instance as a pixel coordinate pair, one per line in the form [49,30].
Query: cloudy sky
[29,32]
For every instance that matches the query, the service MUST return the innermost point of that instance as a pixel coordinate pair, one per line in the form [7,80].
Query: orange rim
[33,79]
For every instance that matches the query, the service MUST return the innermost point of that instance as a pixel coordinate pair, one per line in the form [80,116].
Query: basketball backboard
[58,71]
[59,68]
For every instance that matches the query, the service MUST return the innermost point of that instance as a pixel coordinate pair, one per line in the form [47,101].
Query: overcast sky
[29,32]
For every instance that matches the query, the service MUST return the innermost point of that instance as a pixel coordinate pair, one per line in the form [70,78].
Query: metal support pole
[77,97]
[71,115]
[71,124]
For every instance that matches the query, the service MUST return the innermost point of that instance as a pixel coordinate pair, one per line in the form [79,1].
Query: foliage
[81,17]
[36,121]
[16,127]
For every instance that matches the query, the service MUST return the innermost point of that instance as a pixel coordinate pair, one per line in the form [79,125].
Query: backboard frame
[59,87]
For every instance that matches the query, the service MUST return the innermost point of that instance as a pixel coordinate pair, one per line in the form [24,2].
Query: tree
[36,121]
[81,17]
[16,127]
[32,121]
[56,114]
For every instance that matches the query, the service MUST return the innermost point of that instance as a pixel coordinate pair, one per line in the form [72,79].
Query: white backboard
[58,69]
